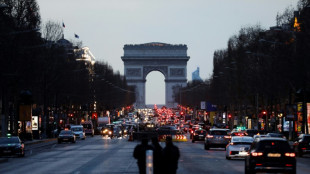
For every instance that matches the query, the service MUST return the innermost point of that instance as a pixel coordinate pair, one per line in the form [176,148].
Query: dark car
[302,145]
[199,135]
[117,131]
[270,155]
[251,132]
[66,136]
[217,138]
[107,130]
[11,145]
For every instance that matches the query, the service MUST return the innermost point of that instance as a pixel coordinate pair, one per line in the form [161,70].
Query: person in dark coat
[171,155]
[140,154]
[157,156]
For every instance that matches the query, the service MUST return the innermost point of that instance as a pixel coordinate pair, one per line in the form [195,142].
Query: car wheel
[207,147]
[228,158]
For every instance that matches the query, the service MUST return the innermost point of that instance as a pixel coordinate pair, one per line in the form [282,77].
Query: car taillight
[290,154]
[303,148]
[289,165]
[209,136]
[227,136]
[257,154]
[258,164]
[231,143]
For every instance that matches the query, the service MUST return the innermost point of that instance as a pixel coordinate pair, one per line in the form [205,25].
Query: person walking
[139,153]
[157,156]
[171,156]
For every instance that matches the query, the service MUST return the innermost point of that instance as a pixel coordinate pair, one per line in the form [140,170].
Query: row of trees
[44,67]
[268,68]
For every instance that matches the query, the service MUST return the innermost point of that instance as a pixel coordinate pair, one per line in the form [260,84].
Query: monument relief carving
[133,72]
[177,72]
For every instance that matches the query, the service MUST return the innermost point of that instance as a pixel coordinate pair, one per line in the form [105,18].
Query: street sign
[203,105]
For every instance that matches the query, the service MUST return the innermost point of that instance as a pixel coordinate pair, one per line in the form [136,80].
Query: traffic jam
[261,152]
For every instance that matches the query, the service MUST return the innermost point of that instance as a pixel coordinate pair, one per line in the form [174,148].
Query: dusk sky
[105,26]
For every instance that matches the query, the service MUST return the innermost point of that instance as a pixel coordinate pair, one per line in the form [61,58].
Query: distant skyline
[105,26]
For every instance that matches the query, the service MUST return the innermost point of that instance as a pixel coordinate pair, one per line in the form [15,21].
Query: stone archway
[170,60]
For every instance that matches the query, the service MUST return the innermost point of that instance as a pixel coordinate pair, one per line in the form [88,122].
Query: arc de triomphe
[171,60]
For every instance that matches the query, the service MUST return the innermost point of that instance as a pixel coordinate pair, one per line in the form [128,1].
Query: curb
[39,141]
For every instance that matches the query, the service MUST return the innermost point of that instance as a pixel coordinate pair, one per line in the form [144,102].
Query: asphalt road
[103,155]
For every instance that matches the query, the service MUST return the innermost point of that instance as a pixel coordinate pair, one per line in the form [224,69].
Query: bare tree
[52,31]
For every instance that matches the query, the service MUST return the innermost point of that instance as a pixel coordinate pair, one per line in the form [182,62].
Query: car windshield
[6,140]
[65,132]
[242,140]
[275,135]
[307,138]
[218,132]
[275,145]
[87,126]
[77,129]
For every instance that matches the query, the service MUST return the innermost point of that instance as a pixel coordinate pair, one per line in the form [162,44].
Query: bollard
[149,162]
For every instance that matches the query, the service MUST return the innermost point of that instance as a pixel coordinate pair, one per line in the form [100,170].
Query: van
[88,128]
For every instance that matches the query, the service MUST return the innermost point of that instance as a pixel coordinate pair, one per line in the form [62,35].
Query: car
[238,147]
[11,145]
[107,130]
[78,131]
[199,135]
[216,138]
[66,136]
[270,154]
[251,132]
[302,145]
[117,132]
[193,129]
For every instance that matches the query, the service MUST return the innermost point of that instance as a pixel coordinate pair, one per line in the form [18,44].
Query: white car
[78,131]
[238,147]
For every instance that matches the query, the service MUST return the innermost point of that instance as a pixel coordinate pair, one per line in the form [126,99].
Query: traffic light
[229,116]
[94,115]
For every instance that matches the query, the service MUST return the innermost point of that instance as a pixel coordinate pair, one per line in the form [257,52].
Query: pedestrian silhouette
[157,156]
[171,156]
[140,154]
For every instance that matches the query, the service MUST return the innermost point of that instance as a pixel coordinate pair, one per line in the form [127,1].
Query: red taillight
[209,136]
[303,148]
[258,164]
[290,154]
[289,165]
[257,154]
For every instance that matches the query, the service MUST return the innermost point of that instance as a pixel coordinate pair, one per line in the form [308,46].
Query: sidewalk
[37,141]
